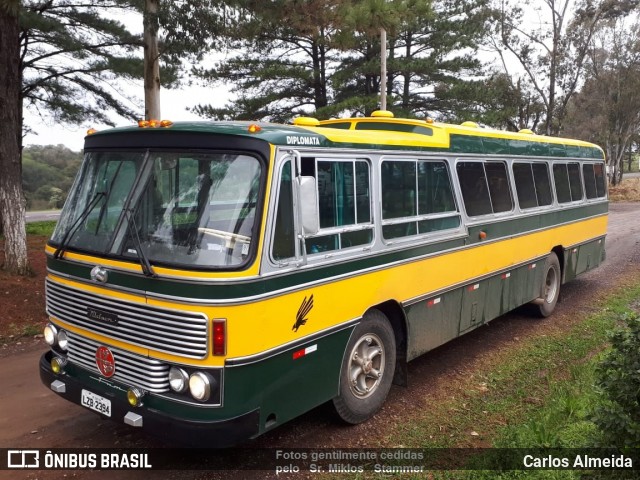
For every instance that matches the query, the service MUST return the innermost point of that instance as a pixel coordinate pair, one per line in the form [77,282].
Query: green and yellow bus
[209,281]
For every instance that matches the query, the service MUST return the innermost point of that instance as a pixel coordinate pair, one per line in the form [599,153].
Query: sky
[173,103]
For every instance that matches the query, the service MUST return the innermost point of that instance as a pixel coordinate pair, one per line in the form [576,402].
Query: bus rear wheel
[550,286]
[367,369]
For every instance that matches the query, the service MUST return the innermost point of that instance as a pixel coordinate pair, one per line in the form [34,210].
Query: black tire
[550,288]
[367,369]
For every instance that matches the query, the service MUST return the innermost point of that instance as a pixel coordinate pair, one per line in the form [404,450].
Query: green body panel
[429,326]
[581,258]
[283,387]
[465,308]
[500,146]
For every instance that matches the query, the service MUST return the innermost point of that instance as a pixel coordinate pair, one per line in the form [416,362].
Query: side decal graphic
[303,311]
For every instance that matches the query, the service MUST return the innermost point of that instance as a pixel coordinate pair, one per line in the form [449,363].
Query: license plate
[96,402]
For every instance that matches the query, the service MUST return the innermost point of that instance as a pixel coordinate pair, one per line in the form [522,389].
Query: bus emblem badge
[99,274]
[303,311]
[105,362]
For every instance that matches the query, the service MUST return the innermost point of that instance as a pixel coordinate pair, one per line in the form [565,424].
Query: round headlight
[50,334]
[178,379]
[200,386]
[63,340]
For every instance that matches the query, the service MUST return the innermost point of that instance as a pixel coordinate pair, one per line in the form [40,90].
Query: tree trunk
[12,201]
[151,61]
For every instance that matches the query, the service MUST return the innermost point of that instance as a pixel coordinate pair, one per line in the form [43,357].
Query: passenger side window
[417,198]
[532,184]
[566,177]
[485,187]
[344,204]
[594,183]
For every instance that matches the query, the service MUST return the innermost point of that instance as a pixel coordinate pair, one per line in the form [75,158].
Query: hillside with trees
[47,174]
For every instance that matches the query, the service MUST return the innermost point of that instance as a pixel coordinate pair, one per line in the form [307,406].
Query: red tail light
[219,337]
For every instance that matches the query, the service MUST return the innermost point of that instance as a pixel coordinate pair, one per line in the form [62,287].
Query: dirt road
[32,416]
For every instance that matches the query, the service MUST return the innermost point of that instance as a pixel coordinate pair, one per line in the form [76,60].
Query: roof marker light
[154,123]
[382,114]
[91,131]
[306,122]
[254,128]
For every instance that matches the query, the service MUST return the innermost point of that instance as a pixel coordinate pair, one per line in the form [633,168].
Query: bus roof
[388,133]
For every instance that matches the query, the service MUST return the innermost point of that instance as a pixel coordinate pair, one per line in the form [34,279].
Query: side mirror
[309,205]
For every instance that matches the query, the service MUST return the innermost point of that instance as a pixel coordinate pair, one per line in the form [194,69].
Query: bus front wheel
[367,369]
[550,286]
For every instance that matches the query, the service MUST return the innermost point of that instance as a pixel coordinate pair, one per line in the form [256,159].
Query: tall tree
[60,58]
[323,56]
[497,101]
[611,94]
[12,202]
[176,34]
[550,43]
[280,60]
[436,48]
[151,60]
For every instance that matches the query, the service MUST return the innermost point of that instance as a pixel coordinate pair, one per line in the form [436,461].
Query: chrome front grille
[131,369]
[170,331]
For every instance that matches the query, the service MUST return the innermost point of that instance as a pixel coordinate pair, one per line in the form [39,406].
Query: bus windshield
[185,209]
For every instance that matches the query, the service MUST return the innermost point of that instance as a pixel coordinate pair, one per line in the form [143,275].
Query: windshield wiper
[104,207]
[74,226]
[147,269]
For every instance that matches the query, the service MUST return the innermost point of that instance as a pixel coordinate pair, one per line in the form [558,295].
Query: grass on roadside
[627,191]
[539,396]
[44,228]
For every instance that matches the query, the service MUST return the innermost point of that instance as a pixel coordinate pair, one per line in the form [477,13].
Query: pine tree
[61,59]
[284,49]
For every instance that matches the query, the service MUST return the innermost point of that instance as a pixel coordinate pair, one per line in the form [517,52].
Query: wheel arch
[396,316]
[559,251]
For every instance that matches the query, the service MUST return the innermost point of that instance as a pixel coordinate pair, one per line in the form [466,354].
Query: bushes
[618,378]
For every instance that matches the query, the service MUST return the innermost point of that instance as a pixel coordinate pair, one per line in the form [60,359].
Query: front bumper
[201,432]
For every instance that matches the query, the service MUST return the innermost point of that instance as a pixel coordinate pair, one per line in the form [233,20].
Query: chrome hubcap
[366,366]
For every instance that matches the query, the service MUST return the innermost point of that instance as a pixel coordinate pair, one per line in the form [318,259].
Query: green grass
[44,228]
[41,228]
[539,396]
